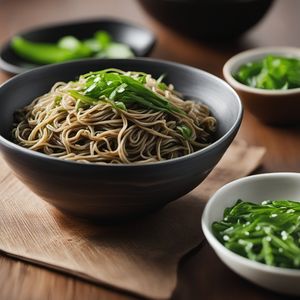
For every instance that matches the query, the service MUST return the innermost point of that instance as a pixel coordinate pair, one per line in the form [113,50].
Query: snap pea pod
[69,47]
[43,53]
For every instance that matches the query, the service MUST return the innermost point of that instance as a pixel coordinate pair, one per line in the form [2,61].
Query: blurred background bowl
[257,188]
[140,40]
[111,192]
[274,107]
[208,19]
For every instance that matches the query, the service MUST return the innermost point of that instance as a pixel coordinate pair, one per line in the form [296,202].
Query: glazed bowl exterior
[106,191]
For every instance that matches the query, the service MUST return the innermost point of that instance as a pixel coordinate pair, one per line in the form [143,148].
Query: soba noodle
[62,124]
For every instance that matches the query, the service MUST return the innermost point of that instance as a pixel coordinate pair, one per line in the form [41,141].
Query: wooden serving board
[140,257]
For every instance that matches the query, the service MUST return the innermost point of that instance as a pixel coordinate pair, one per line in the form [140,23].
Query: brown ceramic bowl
[113,192]
[274,107]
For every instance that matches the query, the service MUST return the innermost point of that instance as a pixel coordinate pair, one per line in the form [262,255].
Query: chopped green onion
[120,105]
[57,100]
[115,85]
[84,99]
[185,131]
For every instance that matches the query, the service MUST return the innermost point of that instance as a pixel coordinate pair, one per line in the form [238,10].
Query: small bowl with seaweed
[253,225]
[268,82]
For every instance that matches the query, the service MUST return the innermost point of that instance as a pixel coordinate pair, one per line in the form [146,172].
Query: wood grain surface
[140,257]
[201,275]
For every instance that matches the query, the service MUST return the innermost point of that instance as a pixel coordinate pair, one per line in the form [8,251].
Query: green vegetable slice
[272,72]
[185,131]
[69,48]
[267,232]
[103,39]
[41,53]
[76,46]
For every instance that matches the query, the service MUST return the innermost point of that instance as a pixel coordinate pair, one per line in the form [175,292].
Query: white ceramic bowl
[276,107]
[257,188]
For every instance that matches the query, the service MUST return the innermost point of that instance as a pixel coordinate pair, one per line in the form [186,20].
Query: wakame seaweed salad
[268,233]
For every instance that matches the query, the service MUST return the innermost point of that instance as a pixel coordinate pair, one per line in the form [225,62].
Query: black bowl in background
[208,19]
[139,39]
[106,191]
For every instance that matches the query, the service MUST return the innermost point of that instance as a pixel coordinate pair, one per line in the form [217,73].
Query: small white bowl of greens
[253,225]
[268,82]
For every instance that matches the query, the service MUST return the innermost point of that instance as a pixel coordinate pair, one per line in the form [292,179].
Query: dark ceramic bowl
[140,40]
[208,19]
[110,192]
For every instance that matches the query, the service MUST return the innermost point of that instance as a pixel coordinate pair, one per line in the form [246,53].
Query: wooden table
[201,274]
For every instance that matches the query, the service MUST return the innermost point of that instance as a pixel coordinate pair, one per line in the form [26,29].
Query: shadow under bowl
[273,107]
[112,192]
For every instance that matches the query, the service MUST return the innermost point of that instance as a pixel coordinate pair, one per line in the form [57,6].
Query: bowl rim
[221,249]
[188,68]
[249,55]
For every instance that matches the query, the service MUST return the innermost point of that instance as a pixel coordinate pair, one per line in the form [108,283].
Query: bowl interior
[139,39]
[193,83]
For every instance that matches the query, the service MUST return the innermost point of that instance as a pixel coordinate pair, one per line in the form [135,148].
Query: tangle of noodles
[109,131]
